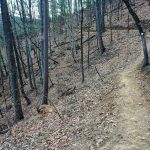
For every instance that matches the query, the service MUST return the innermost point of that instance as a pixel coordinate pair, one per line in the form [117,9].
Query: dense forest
[74,74]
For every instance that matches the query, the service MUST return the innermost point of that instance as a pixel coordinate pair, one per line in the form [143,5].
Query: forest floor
[109,111]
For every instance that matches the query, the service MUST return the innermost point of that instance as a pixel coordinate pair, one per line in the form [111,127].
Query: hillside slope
[109,111]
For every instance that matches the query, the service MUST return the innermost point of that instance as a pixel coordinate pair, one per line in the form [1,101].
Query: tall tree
[11,60]
[82,65]
[99,26]
[45,51]
[139,27]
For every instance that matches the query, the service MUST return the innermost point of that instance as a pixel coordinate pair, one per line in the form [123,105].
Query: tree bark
[98,6]
[11,60]
[139,27]
[45,52]
[82,65]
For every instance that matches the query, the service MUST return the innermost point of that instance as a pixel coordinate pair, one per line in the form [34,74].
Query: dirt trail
[134,130]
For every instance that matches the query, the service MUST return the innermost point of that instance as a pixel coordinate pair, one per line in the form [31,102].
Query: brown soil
[134,120]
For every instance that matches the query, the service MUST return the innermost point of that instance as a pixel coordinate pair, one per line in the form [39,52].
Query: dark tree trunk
[11,60]
[45,52]
[110,21]
[82,65]
[41,41]
[19,64]
[4,66]
[20,74]
[98,6]
[103,14]
[142,34]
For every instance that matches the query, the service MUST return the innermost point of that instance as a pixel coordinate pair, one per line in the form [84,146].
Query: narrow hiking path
[133,123]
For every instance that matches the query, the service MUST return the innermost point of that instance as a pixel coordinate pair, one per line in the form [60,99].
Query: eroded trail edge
[134,128]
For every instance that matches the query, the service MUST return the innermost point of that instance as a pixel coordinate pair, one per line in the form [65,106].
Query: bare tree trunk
[103,14]
[11,60]
[82,65]
[142,34]
[99,26]
[45,52]
[19,74]
[110,21]
[4,66]
[41,41]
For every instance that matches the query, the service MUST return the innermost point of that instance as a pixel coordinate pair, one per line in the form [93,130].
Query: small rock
[99,142]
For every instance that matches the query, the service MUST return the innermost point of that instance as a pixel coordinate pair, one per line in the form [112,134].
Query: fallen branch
[64,43]
[89,39]
[69,91]
[56,110]
[98,74]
